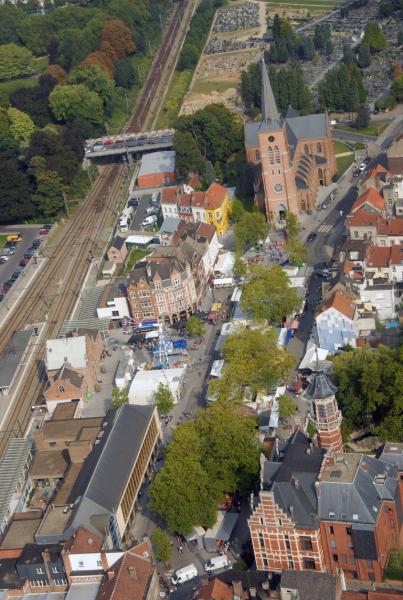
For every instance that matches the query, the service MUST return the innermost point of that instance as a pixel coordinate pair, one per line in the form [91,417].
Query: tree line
[197,34]
[289,45]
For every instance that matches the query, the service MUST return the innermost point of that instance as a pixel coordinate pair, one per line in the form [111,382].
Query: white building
[72,350]
[382,297]
[145,384]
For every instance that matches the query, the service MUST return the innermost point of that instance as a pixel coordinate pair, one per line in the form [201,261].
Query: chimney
[110,575]
[133,573]
[291,509]
[148,270]
[317,488]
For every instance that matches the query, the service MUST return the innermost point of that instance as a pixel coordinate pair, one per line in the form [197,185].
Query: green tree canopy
[268,294]
[163,399]
[119,397]
[250,228]
[188,158]
[291,225]
[161,545]
[287,406]
[369,384]
[15,61]
[253,361]
[374,37]
[15,191]
[397,87]
[95,80]
[21,125]
[296,251]
[195,326]
[364,55]
[70,102]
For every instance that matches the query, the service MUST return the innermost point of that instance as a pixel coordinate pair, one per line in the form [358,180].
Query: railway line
[56,291]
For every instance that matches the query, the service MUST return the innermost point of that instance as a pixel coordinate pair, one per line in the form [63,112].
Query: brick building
[395,157]
[157,169]
[293,156]
[165,286]
[65,386]
[117,251]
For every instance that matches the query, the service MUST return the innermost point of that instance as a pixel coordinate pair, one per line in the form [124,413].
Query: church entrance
[321,177]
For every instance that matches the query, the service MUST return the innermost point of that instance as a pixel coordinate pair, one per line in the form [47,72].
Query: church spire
[269,108]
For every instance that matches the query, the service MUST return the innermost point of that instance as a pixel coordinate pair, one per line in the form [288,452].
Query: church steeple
[270,113]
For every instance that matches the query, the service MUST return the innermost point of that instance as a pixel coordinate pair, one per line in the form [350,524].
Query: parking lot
[145,200]
[29,233]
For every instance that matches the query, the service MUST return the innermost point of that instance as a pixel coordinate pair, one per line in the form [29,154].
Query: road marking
[325,228]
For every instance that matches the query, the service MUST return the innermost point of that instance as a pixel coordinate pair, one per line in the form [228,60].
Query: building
[309,585]
[157,169]
[114,304]
[284,525]
[81,350]
[324,412]
[163,287]
[293,156]
[378,177]
[211,207]
[359,506]
[381,295]
[12,359]
[395,157]
[134,575]
[117,251]
[146,383]
[66,385]
[336,321]
[372,201]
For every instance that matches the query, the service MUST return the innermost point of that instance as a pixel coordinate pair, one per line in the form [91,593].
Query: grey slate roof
[392,454]
[291,477]
[307,127]
[311,585]
[291,112]
[358,501]
[118,242]
[11,357]
[269,108]
[157,162]
[106,470]
[170,225]
[320,387]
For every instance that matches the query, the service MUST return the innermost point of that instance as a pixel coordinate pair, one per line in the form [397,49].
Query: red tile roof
[362,218]
[378,256]
[185,200]
[198,198]
[391,226]
[169,195]
[216,590]
[378,170]
[341,302]
[83,540]
[371,197]
[215,196]
[396,254]
[129,577]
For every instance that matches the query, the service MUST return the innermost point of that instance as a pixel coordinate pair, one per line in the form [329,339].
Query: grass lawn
[343,162]
[135,255]
[206,87]
[372,129]
[178,87]
[3,239]
[339,147]
[7,87]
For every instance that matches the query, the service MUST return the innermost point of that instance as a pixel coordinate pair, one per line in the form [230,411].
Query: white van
[217,562]
[151,220]
[185,574]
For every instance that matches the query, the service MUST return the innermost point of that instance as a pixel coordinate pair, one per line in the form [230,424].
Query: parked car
[149,221]
[36,244]
[43,231]
[185,574]
[23,262]
[151,210]
[133,202]
[14,237]
[311,237]
[356,173]
[217,562]
[4,259]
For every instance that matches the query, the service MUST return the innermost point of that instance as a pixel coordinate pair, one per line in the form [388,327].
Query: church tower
[325,413]
[280,192]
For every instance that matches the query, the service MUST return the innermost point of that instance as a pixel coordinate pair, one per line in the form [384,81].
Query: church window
[319,147]
[257,155]
[271,157]
[277,154]
[306,149]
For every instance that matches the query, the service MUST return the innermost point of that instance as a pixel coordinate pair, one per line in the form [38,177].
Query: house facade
[117,251]
[336,322]
[65,386]
[292,157]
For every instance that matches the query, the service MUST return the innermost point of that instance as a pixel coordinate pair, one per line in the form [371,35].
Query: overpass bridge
[130,143]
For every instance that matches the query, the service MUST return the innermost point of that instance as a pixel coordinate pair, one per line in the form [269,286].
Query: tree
[250,228]
[268,294]
[101,60]
[363,117]
[237,210]
[364,56]
[369,384]
[296,251]
[119,397]
[125,74]
[397,88]
[374,37]
[195,326]
[15,191]
[400,37]
[69,102]
[161,545]
[57,72]
[253,361]
[21,125]
[95,80]
[348,56]
[163,399]
[291,225]
[15,61]
[385,8]
[188,159]
[287,406]
[35,101]
[118,37]
[182,492]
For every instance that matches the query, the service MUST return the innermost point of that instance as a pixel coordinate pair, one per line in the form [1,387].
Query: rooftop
[362,218]
[65,410]
[48,463]
[378,256]
[396,254]
[118,242]
[341,468]
[21,531]
[11,468]
[215,196]
[157,162]
[169,195]
[83,540]
[371,197]
[392,454]
[340,301]
[310,585]
[72,350]
[10,358]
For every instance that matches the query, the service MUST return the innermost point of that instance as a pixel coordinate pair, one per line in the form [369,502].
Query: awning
[222,529]
[197,532]
[217,368]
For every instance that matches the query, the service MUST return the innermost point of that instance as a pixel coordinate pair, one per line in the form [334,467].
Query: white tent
[312,354]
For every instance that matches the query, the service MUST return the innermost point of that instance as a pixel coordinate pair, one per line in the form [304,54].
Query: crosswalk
[325,228]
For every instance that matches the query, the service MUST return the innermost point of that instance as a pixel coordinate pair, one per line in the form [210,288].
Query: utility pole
[127,103]
[106,127]
[65,204]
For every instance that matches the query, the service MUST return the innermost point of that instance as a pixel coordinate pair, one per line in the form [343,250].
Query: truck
[14,237]
[185,574]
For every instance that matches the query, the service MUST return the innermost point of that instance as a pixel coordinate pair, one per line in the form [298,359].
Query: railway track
[58,286]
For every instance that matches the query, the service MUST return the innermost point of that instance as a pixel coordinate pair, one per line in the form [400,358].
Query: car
[133,202]
[11,250]
[36,243]
[43,231]
[356,173]
[7,285]
[150,220]
[108,142]
[324,206]
[23,262]
[151,210]
[14,276]
[311,237]
[4,259]
[367,160]
[362,167]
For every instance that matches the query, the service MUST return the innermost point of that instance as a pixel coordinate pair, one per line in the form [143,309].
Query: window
[392,523]
[279,522]
[287,542]
[261,540]
[55,570]
[306,543]
[257,155]
[145,304]
[318,147]
[265,562]
[348,530]
[343,558]
[333,543]
[40,571]
[61,388]
[270,155]
[371,576]
[277,155]
[132,295]
[369,563]
[115,313]
[144,294]
[148,314]
[352,560]
[99,563]
[80,563]
[52,444]
[158,285]
[306,149]
[309,563]
[290,564]
[261,520]
[335,557]
[331,529]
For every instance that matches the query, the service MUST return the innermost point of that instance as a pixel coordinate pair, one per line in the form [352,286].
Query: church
[293,157]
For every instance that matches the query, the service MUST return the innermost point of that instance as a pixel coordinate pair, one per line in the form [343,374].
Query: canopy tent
[312,354]
[221,531]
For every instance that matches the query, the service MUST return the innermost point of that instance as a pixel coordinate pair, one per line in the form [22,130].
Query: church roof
[320,387]
[307,127]
[269,107]
[291,112]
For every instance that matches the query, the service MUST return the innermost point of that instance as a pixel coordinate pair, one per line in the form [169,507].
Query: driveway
[29,232]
